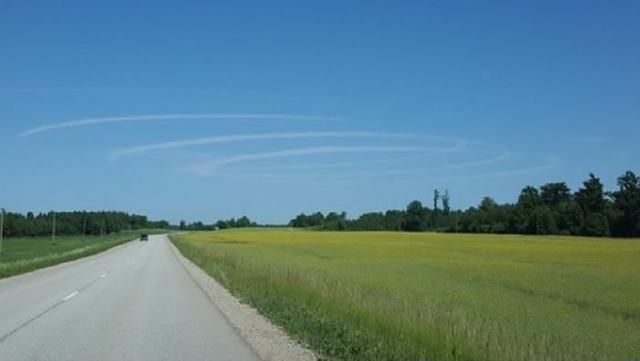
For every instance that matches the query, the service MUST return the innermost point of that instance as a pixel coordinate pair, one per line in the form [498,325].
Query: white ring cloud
[334,165]
[187,116]
[503,155]
[117,154]
[207,168]
[549,163]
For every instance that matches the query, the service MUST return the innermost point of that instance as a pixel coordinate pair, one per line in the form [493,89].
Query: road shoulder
[270,342]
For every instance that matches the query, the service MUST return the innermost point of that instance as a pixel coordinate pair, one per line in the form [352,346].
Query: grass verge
[399,296]
[22,255]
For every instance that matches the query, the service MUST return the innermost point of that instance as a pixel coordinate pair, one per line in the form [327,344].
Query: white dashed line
[103,275]
[71,295]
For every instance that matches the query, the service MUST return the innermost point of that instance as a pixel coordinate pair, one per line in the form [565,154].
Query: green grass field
[401,296]
[20,255]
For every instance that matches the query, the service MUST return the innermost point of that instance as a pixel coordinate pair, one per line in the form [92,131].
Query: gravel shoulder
[269,341]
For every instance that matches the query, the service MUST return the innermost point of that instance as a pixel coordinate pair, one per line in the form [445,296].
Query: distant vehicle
[144,237]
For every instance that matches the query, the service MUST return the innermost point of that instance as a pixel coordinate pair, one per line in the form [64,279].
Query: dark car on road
[144,237]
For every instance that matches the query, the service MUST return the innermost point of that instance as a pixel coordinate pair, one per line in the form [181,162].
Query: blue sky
[207,110]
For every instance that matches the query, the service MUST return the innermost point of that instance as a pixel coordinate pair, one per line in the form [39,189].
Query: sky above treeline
[203,110]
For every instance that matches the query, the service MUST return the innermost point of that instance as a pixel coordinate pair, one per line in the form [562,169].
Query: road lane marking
[57,304]
[70,296]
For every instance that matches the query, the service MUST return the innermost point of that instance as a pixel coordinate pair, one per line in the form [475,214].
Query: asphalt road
[134,302]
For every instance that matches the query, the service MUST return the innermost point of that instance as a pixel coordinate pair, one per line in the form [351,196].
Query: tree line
[74,223]
[242,222]
[549,209]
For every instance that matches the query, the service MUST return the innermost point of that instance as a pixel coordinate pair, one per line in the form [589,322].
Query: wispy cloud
[189,116]
[549,163]
[461,145]
[207,168]
[360,163]
[502,155]
[115,155]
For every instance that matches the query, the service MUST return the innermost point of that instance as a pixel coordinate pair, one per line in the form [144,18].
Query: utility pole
[1,228]
[53,230]
[84,225]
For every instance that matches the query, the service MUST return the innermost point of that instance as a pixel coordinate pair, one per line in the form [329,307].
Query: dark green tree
[373,221]
[526,215]
[557,198]
[393,220]
[446,207]
[596,224]
[243,222]
[434,213]
[570,220]
[626,201]
[591,198]
[553,194]
[414,220]
[335,221]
